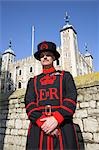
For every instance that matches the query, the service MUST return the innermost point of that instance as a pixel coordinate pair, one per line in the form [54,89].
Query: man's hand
[55,132]
[49,125]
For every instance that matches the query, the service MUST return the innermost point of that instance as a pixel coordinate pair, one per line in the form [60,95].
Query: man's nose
[45,56]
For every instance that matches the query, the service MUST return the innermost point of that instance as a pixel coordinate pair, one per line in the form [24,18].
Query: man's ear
[53,58]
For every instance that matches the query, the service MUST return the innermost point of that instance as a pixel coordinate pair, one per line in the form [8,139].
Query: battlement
[24,60]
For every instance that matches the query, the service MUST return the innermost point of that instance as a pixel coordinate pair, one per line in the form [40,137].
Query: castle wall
[14,121]
[20,72]
[70,60]
[24,66]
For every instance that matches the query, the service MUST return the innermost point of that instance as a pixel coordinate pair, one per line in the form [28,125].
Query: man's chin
[46,64]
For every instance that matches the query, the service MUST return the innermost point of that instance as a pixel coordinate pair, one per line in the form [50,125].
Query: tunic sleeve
[69,98]
[31,103]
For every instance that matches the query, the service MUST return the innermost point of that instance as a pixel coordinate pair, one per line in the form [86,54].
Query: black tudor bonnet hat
[46,46]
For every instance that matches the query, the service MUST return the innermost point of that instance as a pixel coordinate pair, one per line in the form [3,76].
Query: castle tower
[89,60]
[8,57]
[69,48]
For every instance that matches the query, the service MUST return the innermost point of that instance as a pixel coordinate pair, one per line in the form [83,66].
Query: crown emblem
[47,80]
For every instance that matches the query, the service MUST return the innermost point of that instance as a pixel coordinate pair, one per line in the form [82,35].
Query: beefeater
[50,102]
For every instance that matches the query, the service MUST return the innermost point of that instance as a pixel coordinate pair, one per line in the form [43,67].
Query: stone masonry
[14,121]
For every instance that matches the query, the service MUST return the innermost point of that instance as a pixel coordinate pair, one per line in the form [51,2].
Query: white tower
[8,57]
[69,47]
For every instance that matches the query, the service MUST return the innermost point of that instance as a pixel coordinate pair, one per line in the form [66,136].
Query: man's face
[46,58]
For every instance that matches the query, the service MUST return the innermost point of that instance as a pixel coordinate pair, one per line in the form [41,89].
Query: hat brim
[37,54]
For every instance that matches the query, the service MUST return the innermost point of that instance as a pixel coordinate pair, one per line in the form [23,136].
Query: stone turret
[8,57]
[89,59]
[69,47]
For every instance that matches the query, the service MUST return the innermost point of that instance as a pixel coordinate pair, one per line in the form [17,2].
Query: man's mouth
[45,60]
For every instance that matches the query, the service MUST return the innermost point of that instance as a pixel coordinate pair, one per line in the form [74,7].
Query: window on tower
[10,75]
[7,74]
[57,61]
[9,87]
[30,69]
[19,72]
[19,85]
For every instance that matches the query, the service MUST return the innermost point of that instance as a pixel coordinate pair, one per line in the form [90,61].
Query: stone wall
[14,122]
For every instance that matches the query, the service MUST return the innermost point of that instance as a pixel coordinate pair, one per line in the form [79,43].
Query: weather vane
[66,18]
[86,47]
[10,43]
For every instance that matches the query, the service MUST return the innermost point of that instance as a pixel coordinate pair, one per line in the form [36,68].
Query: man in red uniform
[50,101]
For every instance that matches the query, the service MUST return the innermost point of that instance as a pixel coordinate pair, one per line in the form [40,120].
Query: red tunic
[57,89]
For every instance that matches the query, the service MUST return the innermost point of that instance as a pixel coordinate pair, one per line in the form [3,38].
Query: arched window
[19,85]
[7,74]
[57,61]
[9,87]
[10,75]
[19,72]
[30,69]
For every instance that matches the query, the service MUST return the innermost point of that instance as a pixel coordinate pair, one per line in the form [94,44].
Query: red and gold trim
[47,79]
[49,70]
[32,103]
[67,109]
[38,122]
[41,140]
[35,79]
[53,107]
[52,143]
[58,117]
[60,140]
[61,78]
[70,100]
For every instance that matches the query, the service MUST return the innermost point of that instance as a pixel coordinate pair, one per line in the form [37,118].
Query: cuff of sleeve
[58,117]
[38,122]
